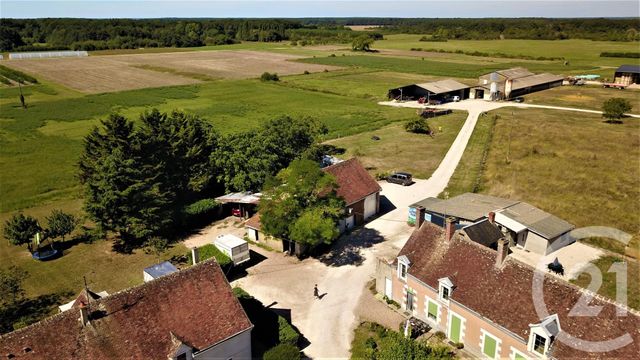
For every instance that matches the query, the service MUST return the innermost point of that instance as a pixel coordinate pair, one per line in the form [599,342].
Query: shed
[234,247]
[627,75]
[466,208]
[240,204]
[511,83]
[443,90]
[158,270]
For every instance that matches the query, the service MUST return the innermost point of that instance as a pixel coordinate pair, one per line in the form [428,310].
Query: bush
[631,55]
[282,352]
[266,76]
[294,43]
[417,126]
[239,293]
[306,72]
[382,175]
[371,343]
[208,251]
[201,207]
[440,335]
[458,345]
[286,333]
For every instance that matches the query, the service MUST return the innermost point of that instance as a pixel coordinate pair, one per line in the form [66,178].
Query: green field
[583,97]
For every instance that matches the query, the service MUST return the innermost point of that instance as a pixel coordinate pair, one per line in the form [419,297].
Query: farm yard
[98,74]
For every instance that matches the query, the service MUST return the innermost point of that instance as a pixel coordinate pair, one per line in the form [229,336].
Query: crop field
[583,97]
[97,74]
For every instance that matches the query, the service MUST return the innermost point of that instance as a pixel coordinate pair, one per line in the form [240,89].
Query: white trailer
[234,247]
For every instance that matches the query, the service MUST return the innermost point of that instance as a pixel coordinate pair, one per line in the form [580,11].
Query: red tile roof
[354,182]
[196,305]
[254,222]
[505,296]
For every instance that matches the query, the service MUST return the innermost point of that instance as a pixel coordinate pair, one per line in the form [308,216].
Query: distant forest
[98,34]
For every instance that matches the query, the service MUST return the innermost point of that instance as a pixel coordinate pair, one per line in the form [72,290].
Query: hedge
[286,333]
[282,352]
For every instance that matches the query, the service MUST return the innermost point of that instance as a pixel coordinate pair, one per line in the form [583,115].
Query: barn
[627,75]
[443,91]
[511,83]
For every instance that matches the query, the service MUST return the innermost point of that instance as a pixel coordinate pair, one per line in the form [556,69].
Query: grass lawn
[39,147]
[570,164]
[576,51]
[608,287]
[440,67]
[468,174]
[583,97]
[399,150]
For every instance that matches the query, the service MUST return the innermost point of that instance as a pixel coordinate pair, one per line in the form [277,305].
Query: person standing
[315,291]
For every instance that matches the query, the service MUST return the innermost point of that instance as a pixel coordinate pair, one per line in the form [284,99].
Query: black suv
[401,178]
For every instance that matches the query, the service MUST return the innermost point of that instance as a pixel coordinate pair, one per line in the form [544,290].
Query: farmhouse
[522,224]
[442,91]
[484,299]
[627,75]
[359,190]
[190,314]
[511,83]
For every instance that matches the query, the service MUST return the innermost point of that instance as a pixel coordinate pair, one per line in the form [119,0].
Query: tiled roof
[254,222]
[354,182]
[504,295]
[196,305]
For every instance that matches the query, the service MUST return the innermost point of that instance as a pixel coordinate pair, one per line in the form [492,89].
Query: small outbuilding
[234,247]
[440,91]
[627,75]
[158,270]
[240,204]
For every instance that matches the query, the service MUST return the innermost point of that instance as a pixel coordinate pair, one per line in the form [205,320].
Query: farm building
[511,83]
[191,314]
[443,90]
[627,75]
[240,204]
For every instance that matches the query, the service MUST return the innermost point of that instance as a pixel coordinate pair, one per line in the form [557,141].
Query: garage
[432,92]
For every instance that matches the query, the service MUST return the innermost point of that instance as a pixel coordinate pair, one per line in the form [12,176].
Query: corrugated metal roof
[629,69]
[426,202]
[534,80]
[443,86]
[536,220]
[240,198]
[515,73]
[470,206]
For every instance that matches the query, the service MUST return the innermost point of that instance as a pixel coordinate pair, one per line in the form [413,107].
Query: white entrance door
[388,288]
[370,206]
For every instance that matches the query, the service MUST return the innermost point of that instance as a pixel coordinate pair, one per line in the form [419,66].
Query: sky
[317,8]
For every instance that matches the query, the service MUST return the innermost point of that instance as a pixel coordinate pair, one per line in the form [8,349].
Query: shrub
[282,352]
[286,333]
[332,55]
[266,76]
[382,175]
[240,293]
[294,43]
[631,55]
[201,207]
[440,335]
[370,343]
[208,251]
[417,126]
[458,345]
[306,72]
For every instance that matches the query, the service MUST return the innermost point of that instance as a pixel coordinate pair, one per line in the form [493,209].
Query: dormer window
[403,267]
[542,334]
[445,286]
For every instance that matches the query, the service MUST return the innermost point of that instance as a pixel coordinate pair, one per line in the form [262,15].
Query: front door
[455,328]
[388,288]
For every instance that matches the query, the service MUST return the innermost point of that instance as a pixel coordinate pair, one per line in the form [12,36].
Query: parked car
[401,178]
[455,98]
[236,212]
[519,99]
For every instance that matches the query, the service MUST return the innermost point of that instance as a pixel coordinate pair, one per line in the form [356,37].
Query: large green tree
[60,224]
[614,109]
[362,43]
[247,159]
[11,289]
[122,189]
[20,230]
[300,204]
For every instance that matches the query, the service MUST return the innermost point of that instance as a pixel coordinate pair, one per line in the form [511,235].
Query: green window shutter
[433,310]
[456,325]
[519,357]
[489,346]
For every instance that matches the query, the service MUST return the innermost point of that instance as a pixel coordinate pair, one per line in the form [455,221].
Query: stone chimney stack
[492,217]
[195,255]
[449,229]
[503,251]
[84,314]
[419,216]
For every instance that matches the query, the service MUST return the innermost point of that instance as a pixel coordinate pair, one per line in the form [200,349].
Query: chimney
[492,217]
[503,251]
[419,216]
[84,314]
[449,229]
[195,255]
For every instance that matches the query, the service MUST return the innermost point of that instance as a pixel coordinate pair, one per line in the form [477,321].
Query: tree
[614,109]
[60,224]
[417,126]
[156,246]
[11,285]
[300,204]
[21,229]
[269,77]
[282,352]
[362,43]
[122,190]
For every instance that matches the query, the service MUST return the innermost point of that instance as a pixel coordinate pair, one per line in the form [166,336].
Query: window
[489,346]
[402,270]
[444,293]
[410,301]
[432,310]
[539,344]
[182,356]
[444,289]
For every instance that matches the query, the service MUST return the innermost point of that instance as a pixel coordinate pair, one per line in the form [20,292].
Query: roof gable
[354,182]
[196,305]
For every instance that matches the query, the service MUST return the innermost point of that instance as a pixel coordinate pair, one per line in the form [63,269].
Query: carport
[442,91]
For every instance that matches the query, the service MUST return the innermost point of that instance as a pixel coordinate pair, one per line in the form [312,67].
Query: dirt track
[96,74]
